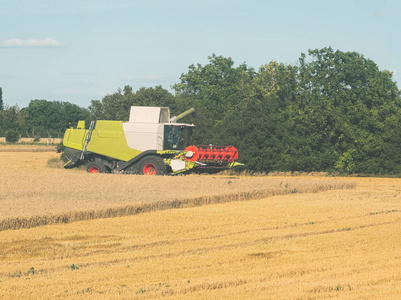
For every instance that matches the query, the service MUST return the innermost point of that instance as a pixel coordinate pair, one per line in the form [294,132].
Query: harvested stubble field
[33,194]
[341,244]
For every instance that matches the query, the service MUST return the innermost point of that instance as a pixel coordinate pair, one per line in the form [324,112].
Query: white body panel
[144,136]
[148,114]
[177,165]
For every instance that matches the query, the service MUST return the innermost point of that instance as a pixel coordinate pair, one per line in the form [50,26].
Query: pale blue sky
[80,50]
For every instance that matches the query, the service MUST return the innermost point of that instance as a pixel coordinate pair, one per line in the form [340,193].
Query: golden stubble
[341,244]
[33,194]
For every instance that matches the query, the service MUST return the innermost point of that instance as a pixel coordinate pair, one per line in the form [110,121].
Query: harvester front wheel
[96,167]
[152,165]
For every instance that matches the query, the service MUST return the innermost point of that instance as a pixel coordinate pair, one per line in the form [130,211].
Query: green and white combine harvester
[150,143]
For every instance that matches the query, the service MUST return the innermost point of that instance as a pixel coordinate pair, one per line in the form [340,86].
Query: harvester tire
[96,166]
[152,165]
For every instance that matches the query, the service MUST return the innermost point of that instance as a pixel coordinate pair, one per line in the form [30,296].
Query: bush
[12,136]
[60,147]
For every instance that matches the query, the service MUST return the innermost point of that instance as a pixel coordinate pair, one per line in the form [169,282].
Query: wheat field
[32,194]
[337,242]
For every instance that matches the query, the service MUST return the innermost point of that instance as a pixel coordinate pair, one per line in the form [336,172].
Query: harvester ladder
[87,139]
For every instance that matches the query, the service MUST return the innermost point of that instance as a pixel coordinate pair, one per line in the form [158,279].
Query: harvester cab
[150,128]
[150,143]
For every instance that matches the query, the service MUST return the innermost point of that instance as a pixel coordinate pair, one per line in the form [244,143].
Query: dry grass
[41,141]
[27,148]
[336,244]
[233,172]
[32,140]
[33,194]
[295,173]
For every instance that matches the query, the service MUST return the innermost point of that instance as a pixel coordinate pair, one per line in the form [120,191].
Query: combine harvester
[150,143]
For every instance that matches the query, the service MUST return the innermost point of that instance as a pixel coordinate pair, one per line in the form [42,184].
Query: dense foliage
[333,111]
[41,118]
[1,99]
[117,106]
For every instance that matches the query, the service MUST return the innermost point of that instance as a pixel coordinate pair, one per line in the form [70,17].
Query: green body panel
[74,138]
[107,139]
[81,125]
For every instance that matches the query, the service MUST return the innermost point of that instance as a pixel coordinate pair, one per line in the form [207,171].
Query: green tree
[213,90]
[44,118]
[12,135]
[112,106]
[257,125]
[156,96]
[117,106]
[10,119]
[344,103]
[334,111]
[1,99]
[10,116]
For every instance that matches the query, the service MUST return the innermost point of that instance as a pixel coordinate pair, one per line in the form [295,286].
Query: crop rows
[336,244]
[32,194]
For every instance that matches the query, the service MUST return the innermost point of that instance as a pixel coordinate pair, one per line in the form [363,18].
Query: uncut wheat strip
[28,222]
[35,221]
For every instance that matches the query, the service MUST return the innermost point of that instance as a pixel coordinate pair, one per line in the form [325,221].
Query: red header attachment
[211,153]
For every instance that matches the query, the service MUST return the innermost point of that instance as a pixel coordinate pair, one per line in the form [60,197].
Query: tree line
[41,118]
[331,111]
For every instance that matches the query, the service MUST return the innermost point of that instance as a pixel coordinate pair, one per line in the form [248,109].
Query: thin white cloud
[31,43]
